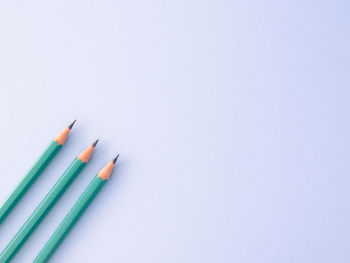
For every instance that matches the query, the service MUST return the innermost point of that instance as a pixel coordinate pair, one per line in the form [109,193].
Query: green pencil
[34,173]
[75,213]
[46,204]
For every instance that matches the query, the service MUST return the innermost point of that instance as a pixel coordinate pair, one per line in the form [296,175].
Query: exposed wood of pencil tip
[86,154]
[105,173]
[62,137]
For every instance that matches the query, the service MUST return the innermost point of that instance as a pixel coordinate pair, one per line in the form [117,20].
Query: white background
[230,117]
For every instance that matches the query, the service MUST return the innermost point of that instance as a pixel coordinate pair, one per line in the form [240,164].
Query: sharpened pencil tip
[71,125]
[94,144]
[116,158]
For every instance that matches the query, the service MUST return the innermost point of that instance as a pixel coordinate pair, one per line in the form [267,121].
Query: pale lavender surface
[231,118]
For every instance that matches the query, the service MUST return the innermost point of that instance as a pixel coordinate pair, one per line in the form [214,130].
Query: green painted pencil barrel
[29,179]
[40,212]
[70,220]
